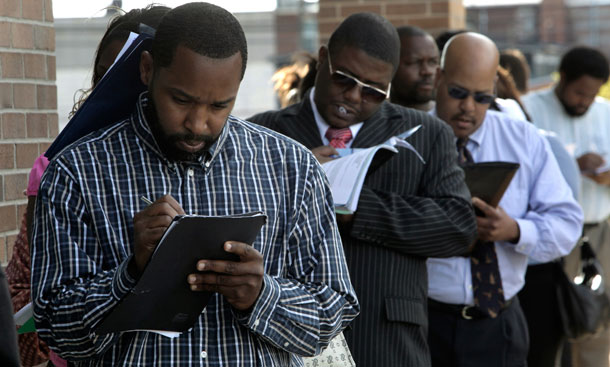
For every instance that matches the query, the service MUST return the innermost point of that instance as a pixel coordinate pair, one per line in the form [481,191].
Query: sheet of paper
[167,334]
[132,37]
[24,314]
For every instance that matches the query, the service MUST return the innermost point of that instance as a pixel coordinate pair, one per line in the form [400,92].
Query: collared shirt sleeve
[553,222]
[71,292]
[303,310]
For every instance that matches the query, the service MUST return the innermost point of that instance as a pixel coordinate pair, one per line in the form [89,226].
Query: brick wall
[553,21]
[28,104]
[434,16]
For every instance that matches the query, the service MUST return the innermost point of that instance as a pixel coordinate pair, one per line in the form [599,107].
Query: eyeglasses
[461,93]
[368,92]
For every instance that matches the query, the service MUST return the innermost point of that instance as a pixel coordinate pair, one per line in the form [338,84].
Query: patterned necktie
[338,137]
[486,282]
[464,155]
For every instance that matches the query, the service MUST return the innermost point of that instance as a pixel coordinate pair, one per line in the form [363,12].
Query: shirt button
[207,164]
[286,344]
[191,172]
[256,322]
[204,354]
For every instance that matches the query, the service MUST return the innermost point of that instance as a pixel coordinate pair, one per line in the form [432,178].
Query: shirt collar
[323,126]
[142,129]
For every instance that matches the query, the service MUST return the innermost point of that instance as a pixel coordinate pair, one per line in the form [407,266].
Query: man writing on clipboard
[290,292]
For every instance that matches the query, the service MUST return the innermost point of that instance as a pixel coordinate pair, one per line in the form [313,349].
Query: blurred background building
[542,29]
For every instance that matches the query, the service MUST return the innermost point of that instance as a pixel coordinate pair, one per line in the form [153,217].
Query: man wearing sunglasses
[475,318]
[407,210]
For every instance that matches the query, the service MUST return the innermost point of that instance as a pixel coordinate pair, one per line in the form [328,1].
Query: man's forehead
[469,78]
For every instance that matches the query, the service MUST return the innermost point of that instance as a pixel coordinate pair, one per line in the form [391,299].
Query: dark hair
[369,32]
[411,31]
[204,28]
[506,89]
[119,28]
[442,38]
[515,63]
[581,61]
[290,82]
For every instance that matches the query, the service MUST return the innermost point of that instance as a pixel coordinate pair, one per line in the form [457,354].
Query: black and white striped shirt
[83,240]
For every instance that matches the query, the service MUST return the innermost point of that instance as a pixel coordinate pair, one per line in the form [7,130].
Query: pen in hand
[146,200]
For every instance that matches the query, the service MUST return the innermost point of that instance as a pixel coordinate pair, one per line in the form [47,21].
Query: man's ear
[322,56]
[562,78]
[146,68]
[437,80]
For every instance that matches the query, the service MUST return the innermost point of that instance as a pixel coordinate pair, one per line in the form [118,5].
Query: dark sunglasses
[368,92]
[461,93]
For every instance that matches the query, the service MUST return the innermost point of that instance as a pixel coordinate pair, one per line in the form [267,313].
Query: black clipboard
[112,100]
[162,299]
[489,180]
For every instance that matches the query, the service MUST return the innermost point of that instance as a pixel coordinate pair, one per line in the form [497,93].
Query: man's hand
[239,281]
[589,162]
[325,153]
[496,225]
[601,178]
[148,227]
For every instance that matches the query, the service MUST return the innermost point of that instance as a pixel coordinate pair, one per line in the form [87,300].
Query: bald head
[470,50]
[466,81]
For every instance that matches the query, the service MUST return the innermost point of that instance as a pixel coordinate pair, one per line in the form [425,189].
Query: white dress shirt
[323,126]
[538,198]
[579,135]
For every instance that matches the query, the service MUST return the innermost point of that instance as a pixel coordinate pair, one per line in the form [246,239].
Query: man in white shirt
[580,121]
[474,317]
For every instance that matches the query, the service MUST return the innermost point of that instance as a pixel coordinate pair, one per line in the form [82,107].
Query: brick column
[28,104]
[434,16]
[553,22]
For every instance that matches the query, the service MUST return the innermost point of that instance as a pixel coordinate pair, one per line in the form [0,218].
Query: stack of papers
[346,174]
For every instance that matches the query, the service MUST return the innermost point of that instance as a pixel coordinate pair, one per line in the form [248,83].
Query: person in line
[290,81]
[287,296]
[407,210]
[33,351]
[514,61]
[413,83]
[9,351]
[579,119]
[475,318]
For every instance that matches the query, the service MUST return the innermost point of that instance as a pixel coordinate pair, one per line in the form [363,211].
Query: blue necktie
[486,281]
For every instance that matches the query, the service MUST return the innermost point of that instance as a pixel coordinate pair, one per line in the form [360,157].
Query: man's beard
[412,96]
[571,111]
[167,143]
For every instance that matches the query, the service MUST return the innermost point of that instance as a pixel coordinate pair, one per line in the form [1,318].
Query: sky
[95,8]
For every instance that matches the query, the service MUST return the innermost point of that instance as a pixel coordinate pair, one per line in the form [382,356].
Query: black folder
[489,180]
[112,100]
[162,299]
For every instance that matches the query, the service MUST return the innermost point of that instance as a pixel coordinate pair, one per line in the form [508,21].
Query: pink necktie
[338,137]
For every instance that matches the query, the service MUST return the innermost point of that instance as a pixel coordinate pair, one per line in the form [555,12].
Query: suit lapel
[305,126]
[377,129]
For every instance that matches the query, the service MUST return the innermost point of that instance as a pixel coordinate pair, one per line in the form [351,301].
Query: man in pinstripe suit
[407,210]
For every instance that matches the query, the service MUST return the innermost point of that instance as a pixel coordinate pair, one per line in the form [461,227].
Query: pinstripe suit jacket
[407,211]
